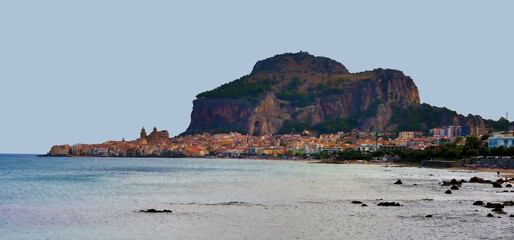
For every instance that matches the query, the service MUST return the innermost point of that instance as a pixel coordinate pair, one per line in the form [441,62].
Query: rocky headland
[296,91]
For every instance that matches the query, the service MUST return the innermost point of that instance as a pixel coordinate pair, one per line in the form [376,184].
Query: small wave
[232,203]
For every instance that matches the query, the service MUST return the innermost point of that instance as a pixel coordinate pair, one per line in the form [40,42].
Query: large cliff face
[302,88]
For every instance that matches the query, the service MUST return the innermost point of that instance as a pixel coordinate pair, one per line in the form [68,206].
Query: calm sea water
[100,198]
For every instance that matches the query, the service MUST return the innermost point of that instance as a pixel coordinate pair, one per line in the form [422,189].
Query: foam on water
[100,198]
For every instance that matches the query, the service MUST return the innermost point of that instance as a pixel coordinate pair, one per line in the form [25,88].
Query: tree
[485,137]
[484,151]
[473,152]
[510,151]
[473,142]
[499,151]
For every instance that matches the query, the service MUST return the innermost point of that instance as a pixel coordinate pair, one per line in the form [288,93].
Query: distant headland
[297,104]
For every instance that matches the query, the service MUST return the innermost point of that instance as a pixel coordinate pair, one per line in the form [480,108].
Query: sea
[102,198]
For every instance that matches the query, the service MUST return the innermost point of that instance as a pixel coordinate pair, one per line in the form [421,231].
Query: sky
[92,71]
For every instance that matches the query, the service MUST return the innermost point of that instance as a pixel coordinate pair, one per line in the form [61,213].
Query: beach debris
[494,205]
[429,216]
[454,187]
[448,192]
[398,182]
[478,203]
[497,184]
[356,202]
[389,204]
[152,210]
[490,215]
[444,183]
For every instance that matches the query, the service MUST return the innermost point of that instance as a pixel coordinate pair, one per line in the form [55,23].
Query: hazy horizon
[89,72]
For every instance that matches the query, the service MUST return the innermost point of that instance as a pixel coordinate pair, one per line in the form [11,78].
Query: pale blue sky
[91,71]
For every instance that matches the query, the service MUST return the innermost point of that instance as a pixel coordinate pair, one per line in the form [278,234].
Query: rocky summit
[296,91]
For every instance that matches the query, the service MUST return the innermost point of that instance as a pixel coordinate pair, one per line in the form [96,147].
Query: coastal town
[233,144]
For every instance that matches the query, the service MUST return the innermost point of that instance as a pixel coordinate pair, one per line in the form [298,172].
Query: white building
[501,139]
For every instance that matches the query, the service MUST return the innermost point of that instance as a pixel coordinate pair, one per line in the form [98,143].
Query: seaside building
[501,139]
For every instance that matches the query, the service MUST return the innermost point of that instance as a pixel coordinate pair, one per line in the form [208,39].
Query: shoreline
[503,172]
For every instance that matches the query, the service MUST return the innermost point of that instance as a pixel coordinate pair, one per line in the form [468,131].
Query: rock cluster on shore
[497,207]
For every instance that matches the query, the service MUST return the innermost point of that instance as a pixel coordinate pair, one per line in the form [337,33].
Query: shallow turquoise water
[99,198]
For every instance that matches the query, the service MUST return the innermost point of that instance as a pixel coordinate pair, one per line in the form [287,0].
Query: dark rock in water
[398,182]
[152,210]
[508,203]
[478,203]
[462,181]
[490,215]
[454,187]
[505,191]
[497,185]
[494,205]
[455,182]
[364,205]
[448,192]
[389,204]
[500,180]
[428,216]
[508,185]
[415,184]
[497,210]
[512,215]
[476,180]
[356,202]
[488,181]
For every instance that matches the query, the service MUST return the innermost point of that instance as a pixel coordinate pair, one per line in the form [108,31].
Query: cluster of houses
[158,144]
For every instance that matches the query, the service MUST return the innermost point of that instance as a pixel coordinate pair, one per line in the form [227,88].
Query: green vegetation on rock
[296,98]
[240,88]
[419,118]
[501,125]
